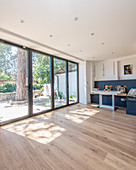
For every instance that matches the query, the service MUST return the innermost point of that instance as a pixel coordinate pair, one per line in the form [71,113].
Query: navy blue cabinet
[131,106]
[107,100]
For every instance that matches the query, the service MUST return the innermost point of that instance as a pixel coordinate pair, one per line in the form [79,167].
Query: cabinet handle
[94,71]
[103,70]
[113,68]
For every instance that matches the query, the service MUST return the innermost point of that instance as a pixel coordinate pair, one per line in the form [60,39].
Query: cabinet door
[105,70]
[98,71]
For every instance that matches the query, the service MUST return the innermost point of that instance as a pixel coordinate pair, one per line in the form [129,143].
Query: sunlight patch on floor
[94,105]
[43,128]
[43,132]
[80,115]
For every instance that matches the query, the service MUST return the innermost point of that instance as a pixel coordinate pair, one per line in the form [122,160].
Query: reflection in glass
[72,74]
[59,82]
[41,82]
[13,81]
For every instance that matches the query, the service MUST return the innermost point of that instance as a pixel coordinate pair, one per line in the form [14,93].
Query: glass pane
[72,74]
[41,82]
[59,82]
[13,83]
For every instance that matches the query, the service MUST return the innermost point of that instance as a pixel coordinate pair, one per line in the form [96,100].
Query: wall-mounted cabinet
[106,70]
[114,69]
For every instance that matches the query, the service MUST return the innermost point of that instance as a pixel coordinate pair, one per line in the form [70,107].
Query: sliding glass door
[13,83]
[41,82]
[59,83]
[73,82]
[33,82]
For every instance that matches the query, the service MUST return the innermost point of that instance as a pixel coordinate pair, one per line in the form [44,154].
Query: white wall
[82,83]
[85,81]
[62,83]
[121,69]
[90,79]
[72,83]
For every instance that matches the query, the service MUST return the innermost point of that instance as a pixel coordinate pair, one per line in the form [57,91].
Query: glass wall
[41,82]
[13,83]
[73,82]
[32,82]
[59,82]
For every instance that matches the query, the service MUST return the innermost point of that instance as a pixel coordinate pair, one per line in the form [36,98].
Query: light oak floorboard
[78,137]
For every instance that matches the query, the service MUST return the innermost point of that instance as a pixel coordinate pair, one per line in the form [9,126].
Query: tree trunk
[21,91]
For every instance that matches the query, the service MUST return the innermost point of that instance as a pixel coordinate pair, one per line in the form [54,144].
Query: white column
[82,83]
[86,82]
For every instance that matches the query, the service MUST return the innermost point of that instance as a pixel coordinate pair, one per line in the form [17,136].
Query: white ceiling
[113,23]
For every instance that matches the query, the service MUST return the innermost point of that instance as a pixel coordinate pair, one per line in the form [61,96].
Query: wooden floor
[80,137]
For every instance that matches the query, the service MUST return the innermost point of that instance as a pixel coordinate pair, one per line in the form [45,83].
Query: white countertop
[106,92]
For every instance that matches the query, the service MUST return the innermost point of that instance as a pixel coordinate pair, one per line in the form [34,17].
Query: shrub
[8,87]
[60,94]
[73,96]
[37,86]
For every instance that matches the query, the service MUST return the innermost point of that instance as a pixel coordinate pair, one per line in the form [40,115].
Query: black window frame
[30,83]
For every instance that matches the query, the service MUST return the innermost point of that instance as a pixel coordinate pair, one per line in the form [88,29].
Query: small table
[111,93]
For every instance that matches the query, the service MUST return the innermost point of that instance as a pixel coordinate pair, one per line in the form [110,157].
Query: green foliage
[8,61]
[4,76]
[8,87]
[41,68]
[74,95]
[60,94]
[59,65]
[37,86]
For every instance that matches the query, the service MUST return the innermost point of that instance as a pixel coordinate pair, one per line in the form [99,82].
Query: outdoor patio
[10,111]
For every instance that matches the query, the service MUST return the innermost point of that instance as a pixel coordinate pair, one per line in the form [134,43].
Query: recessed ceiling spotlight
[24,47]
[112,52]
[68,45]
[80,51]
[76,18]
[22,21]
[51,35]
[102,43]
[92,34]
